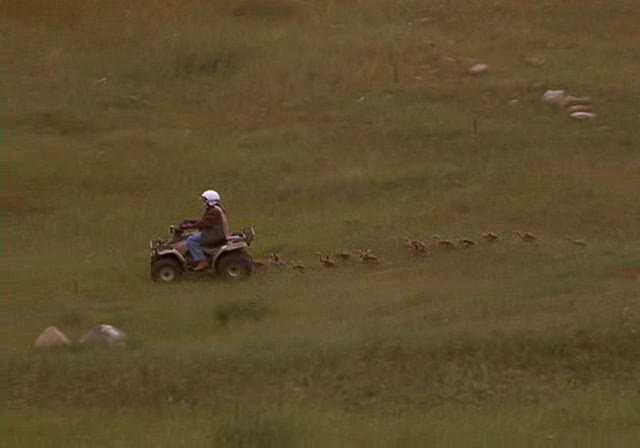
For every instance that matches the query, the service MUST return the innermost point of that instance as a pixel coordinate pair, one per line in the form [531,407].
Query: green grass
[591,420]
[329,125]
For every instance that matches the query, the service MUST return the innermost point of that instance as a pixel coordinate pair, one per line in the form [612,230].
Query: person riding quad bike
[213,227]
[205,245]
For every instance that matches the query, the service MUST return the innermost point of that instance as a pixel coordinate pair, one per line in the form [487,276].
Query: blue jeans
[193,243]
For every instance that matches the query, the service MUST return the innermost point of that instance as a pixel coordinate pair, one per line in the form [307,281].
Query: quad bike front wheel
[166,270]
[235,266]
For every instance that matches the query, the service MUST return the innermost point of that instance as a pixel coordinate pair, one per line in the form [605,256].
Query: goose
[276,260]
[367,257]
[445,244]
[343,255]
[327,262]
[465,242]
[490,237]
[527,237]
[297,266]
[581,243]
[417,246]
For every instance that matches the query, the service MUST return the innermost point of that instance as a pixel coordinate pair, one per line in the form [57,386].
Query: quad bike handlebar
[187,224]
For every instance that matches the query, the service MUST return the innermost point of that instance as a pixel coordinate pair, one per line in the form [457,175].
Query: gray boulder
[104,335]
[52,337]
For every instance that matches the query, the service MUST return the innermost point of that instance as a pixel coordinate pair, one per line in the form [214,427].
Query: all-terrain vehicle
[229,258]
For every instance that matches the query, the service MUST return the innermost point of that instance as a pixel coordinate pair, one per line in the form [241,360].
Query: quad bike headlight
[154,245]
[250,235]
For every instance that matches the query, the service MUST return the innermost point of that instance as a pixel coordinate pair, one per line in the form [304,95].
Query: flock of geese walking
[415,247]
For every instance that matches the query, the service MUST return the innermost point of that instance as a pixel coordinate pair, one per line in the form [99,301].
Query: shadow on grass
[245,310]
[249,429]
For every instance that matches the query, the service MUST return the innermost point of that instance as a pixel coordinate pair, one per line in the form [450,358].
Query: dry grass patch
[269,9]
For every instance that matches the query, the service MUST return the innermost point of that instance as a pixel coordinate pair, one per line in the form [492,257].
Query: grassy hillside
[329,125]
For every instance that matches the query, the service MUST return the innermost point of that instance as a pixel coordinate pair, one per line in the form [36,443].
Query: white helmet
[211,197]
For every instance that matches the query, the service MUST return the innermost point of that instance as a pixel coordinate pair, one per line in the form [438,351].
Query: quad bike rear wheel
[166,270]
[235,266]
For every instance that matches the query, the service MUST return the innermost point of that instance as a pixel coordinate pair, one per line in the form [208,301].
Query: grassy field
[329,125]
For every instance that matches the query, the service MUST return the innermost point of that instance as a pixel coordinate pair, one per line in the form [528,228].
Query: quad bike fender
[231,246]
[170,253]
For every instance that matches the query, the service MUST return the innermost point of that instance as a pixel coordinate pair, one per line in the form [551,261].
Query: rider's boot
[204,264]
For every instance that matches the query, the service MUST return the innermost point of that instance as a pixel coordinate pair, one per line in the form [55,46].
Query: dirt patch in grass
[265,9]
[24,204]
[56,122]
[631,274]
[246,310]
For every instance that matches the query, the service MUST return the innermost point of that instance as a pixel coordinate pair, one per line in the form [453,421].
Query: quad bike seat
[214,244]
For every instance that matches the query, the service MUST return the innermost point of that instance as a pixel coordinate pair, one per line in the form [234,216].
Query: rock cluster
[578,107]
[102,335]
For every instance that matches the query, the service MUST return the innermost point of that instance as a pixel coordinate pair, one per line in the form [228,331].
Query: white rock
[479,69]
[554,97]
[104,335]
[583,115]
[52,337]
[579,108]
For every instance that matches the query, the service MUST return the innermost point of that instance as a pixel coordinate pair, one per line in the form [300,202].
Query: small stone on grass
[479,69]
[52,337]
[583,115]
[106,335]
